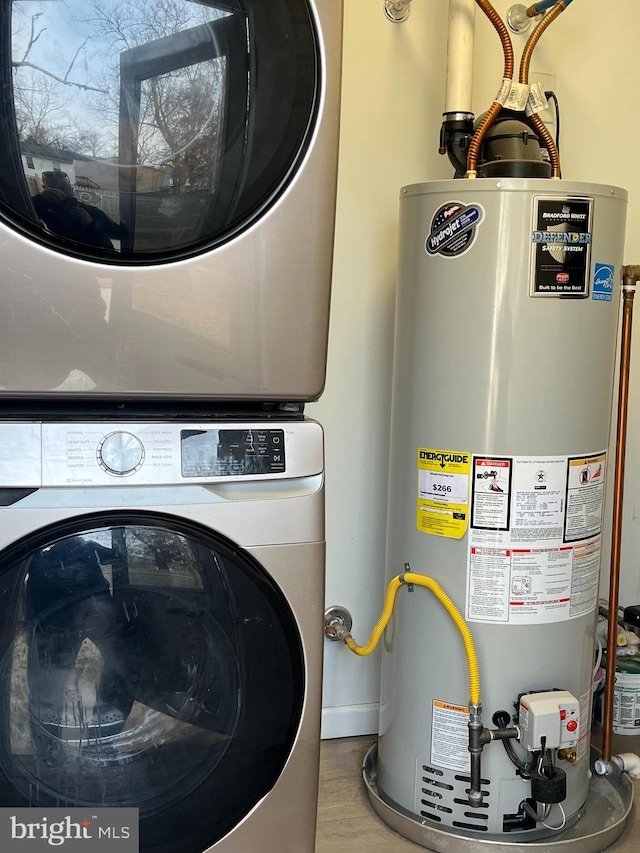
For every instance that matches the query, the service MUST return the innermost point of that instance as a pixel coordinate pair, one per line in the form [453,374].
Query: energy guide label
[535,538]
[443,492]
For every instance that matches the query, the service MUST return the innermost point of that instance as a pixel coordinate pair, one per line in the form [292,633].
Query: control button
[563,714]
[276,439]
[572,725]
[120,453]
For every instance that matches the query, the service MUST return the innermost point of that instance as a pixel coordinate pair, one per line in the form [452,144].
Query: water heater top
[547,186]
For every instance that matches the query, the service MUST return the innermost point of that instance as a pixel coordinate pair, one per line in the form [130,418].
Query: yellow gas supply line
[449,606]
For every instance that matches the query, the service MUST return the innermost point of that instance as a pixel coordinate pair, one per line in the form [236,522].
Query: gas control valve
[549,720]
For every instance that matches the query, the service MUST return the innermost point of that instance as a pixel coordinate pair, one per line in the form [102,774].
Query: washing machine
[161,625]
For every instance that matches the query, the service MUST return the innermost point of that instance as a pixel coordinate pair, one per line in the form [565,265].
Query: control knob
[120,453]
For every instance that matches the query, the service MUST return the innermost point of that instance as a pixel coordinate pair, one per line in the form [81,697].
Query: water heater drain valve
[549,720]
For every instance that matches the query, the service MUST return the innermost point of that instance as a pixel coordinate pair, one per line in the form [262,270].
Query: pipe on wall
[462,17]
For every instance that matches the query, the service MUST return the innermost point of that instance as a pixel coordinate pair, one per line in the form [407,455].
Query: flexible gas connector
[449,606]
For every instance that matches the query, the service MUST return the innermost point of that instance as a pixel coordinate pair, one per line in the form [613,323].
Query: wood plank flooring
[348,824]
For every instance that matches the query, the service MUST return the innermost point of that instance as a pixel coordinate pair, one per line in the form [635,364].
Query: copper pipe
[547,140]
[534,38]
[630,275]
[509,65]
[525,63]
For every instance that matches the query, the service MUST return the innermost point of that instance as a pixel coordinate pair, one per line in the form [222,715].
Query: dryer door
[149,130]
[145,662]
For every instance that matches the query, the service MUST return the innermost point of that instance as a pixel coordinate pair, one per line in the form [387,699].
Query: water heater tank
[504,369]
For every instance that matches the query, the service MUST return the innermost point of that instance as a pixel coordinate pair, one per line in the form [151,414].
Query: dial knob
[120,453]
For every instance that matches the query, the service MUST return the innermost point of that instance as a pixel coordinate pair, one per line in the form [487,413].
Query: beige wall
[393,96]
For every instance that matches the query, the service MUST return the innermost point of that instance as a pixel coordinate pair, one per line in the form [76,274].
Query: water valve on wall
[397,10]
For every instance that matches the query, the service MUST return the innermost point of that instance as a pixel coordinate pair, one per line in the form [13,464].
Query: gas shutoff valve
[549,720]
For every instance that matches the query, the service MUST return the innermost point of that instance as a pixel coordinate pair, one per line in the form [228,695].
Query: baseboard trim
[350,720]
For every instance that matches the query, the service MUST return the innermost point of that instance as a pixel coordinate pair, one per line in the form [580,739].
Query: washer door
[145,662]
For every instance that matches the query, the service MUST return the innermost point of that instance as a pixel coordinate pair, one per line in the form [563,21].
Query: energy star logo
[35,830]
[603,282]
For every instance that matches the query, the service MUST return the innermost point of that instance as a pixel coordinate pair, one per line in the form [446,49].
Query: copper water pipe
[547,140]
[630,274]
[525,63]
[496,106]
[534,38]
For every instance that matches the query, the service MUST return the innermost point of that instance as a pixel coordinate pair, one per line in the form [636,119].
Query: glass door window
[140,131]
[149,663]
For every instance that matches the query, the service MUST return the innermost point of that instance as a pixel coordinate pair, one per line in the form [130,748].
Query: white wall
[392,100]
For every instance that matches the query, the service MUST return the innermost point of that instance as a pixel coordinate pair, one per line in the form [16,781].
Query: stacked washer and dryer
[164,301]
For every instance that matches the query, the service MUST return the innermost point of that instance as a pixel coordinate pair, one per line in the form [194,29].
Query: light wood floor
[348,824]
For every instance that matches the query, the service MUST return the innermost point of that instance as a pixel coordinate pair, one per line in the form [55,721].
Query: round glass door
[145,662]
[144,131]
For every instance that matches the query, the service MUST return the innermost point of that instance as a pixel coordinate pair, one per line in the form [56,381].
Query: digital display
[232,452]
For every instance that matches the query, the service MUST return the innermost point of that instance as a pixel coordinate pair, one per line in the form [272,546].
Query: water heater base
[603,818]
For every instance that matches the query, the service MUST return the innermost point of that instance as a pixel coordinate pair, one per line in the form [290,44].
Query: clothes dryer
[161,626]
[167,197]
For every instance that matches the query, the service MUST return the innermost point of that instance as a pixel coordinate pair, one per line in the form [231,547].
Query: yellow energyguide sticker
[443,492]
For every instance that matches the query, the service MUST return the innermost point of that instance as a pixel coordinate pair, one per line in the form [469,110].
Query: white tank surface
[506,326]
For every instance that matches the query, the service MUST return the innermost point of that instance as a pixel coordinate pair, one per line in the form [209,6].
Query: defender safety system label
[443,492]
[534,538]
[561,247]
[453,229]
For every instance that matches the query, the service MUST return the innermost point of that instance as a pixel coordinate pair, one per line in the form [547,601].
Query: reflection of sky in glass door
[66,64]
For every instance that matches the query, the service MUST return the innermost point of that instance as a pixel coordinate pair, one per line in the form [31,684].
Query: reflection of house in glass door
[37,158]
[104,171]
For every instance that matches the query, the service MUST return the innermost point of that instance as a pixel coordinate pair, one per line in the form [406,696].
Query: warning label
[585,497]
[450,736]
[443,492]
[535,538]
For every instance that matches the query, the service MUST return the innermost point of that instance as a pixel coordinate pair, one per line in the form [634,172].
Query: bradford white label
[561,247]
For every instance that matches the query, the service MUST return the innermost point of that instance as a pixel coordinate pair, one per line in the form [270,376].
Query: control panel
[552,716]
[161,453]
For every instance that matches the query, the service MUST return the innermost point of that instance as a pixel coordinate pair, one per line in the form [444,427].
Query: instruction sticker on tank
[534,547]
[443,492]
[561,246]
[450,736]
[453,229]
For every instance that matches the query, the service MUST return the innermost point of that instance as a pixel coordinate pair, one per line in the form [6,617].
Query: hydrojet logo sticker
[603,283]
[453,229]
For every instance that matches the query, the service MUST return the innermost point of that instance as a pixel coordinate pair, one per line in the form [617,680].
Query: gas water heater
[505,347]
[507,310]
